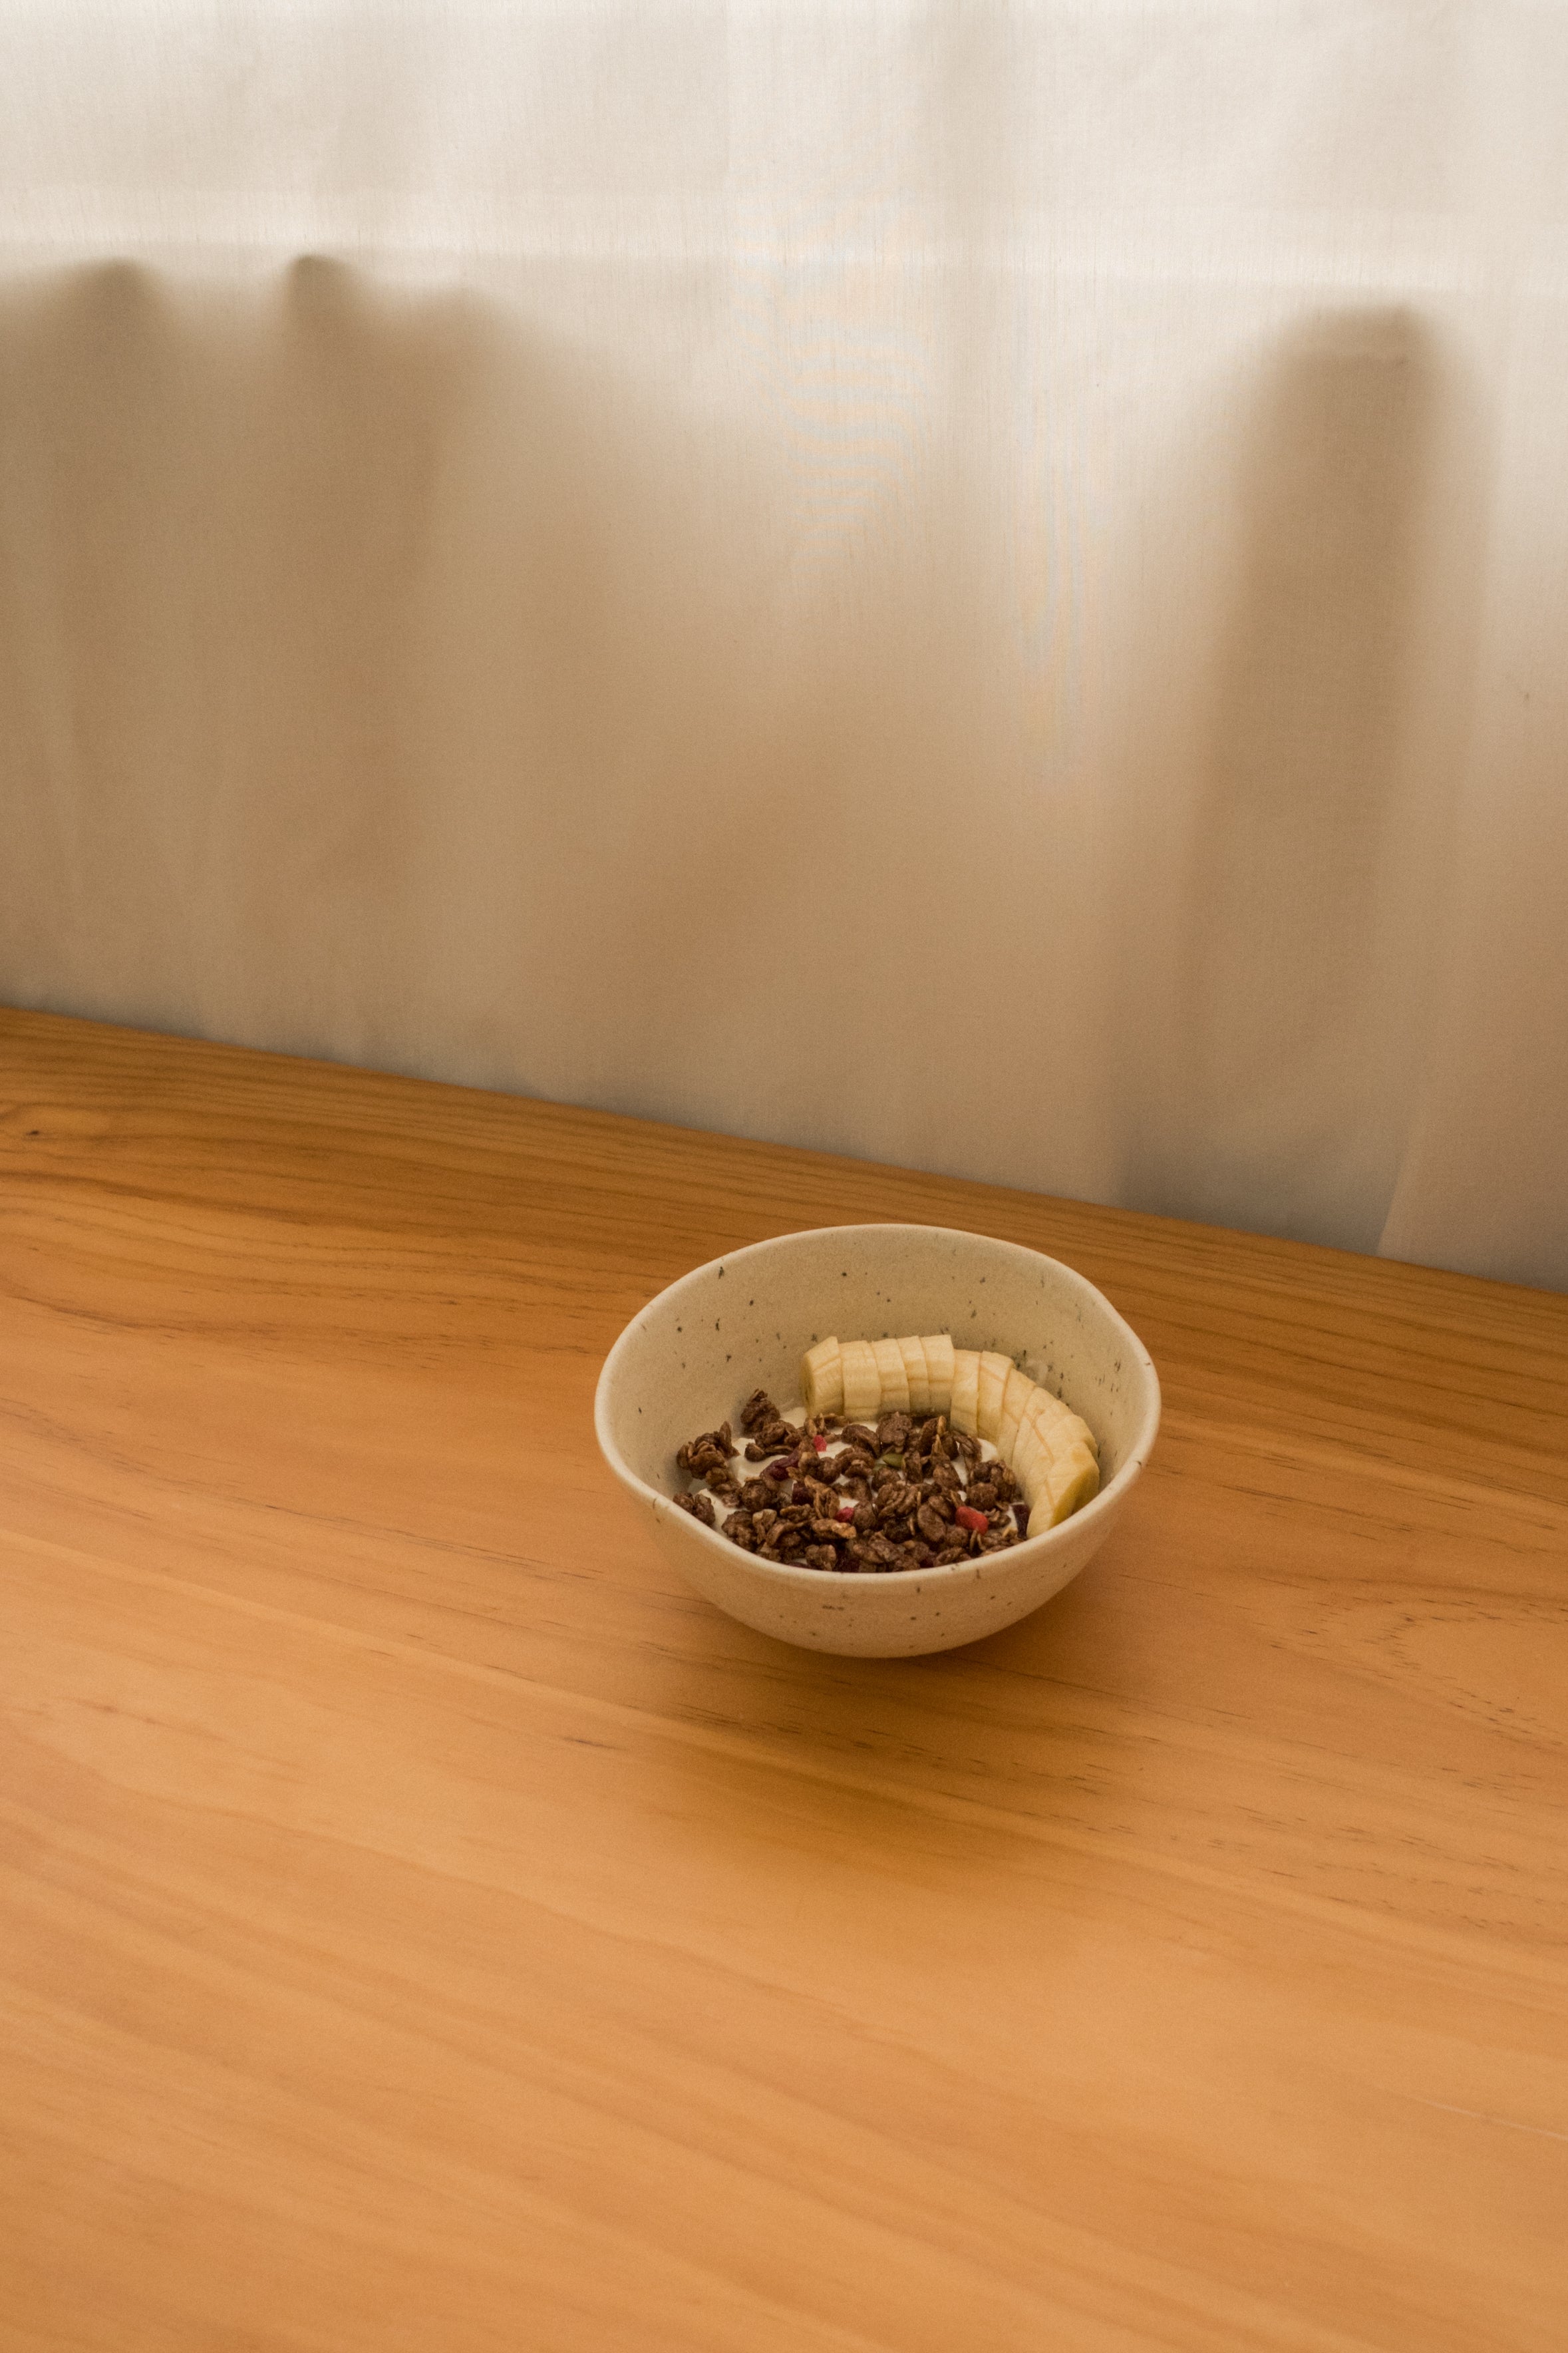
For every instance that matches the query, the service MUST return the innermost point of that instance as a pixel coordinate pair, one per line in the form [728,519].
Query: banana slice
[1074,1482]
[994,1372]
[1075,1477]
[1053,1459]
[822,1379]
[1077,1432]
[862,1381]
[1043,1415]
[1017,1392]
[1031,1463]
[914,1355]
[891,1377]
[1057,1424]
[964,1412]
[938,1351]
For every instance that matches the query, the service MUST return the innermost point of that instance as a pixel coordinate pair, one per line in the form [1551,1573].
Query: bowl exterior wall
[876,1616]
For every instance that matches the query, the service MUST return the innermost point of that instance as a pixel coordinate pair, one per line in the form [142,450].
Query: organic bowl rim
[1138,1450]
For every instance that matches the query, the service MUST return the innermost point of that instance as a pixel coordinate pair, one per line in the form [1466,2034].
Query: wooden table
[424,1925]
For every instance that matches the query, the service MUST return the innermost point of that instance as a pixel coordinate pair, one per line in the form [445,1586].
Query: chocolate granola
[912,1492]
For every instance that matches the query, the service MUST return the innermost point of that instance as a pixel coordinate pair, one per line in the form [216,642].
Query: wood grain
[423,1925]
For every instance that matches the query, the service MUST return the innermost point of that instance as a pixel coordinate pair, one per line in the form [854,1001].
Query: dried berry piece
[969,1519]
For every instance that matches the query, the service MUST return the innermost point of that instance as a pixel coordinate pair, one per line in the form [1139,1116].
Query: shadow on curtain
[1296,873]
[384,680]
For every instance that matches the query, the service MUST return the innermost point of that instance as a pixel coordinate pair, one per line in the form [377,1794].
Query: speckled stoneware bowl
[696,1353]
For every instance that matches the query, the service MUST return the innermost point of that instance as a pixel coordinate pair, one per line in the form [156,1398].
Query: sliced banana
[1073,1478]
[1051,1450]
[862,1381]
[1074,1482]
[1058,1423]
[938,1351]
[964,1412]
[1016,1391]
[1031,1463]
[891,1374]
[822,1379]
[1029,1441]
[994,1372]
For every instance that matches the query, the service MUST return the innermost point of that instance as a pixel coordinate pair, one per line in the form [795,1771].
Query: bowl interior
[695,1353]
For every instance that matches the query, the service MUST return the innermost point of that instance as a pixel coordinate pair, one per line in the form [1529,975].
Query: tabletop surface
[425,1924]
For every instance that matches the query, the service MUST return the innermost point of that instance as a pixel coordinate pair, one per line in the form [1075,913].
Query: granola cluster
[837,1495]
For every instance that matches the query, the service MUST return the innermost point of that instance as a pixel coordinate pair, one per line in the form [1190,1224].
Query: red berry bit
[967,1517]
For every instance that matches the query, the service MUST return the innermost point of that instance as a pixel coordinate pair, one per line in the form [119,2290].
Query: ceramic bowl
[694,1354]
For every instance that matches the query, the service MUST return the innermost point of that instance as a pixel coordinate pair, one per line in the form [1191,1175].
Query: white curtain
[984,586]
